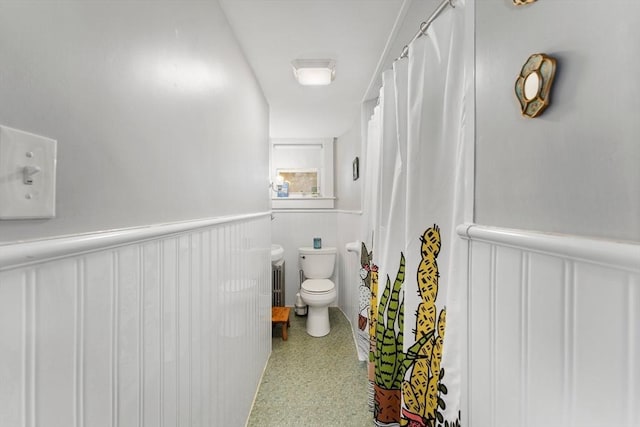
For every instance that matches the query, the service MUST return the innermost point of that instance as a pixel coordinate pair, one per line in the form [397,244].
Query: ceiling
[355,33]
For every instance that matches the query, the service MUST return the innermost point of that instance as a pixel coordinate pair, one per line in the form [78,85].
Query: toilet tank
[317,263]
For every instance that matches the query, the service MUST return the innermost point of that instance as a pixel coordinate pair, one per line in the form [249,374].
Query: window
[301,183]
[303,172]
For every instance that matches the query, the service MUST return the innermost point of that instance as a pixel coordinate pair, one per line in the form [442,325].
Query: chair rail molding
[23,253]
[625,255]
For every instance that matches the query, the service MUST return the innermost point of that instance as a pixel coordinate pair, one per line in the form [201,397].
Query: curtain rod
[425,25]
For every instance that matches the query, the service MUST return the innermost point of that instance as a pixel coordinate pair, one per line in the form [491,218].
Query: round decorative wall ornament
[522,2]
[533,85]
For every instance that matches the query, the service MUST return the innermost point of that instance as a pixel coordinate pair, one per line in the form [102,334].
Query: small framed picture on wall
[356,169]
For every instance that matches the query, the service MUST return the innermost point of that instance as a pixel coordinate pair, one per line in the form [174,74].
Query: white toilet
[317,291]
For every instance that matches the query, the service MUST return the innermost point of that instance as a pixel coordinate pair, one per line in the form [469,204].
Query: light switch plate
[25,157]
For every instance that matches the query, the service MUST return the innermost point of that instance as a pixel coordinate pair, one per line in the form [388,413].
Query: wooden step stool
[281,315]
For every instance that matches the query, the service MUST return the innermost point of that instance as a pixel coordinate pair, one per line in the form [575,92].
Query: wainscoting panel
[350,294]
[349,272]
[169,330]
[554,335]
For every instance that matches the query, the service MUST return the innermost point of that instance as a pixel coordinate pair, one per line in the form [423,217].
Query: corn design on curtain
[416,265]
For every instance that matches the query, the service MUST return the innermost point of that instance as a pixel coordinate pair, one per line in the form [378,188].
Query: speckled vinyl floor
[313,381]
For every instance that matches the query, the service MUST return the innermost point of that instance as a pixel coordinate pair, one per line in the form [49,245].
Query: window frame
[325,199]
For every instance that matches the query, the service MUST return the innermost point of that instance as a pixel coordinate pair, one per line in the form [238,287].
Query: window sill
[302,202]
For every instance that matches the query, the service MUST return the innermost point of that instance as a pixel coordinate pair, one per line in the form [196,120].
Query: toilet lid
[317,286]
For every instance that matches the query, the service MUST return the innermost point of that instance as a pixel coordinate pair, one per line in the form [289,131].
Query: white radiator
[277,285]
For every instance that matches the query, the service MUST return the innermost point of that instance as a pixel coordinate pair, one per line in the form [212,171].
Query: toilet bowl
[317,291]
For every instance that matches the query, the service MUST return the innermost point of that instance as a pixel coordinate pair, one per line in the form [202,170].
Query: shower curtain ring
[424,26]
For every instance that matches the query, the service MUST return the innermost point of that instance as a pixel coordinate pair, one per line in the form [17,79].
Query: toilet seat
[317,286]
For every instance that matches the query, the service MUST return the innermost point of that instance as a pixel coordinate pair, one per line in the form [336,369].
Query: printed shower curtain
[413,264]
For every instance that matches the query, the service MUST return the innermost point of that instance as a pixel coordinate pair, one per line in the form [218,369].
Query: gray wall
[157,114]
[348,192]
[576,168]
[415,12]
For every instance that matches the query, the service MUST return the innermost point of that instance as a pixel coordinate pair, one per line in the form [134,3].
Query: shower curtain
[415,265]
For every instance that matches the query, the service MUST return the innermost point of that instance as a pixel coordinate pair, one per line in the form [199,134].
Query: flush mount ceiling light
[314,72]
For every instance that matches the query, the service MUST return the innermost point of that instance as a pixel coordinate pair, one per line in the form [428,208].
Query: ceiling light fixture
[314,72]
